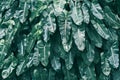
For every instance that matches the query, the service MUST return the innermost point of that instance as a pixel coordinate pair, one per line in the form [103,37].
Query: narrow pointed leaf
[46,34]
[87,72]
[90,73]
[70,76]
[77,15]
[44,50]
[36,57]
[96,38]
[64,23]
[40,73]
[36,74]
[79,37]
[100,28]
[49,24]
[112,19]
[9,70]
[69,59]
[88,57]
[2,33]
[114,57]
[24,13]
[97,10]
[43,74]
[55,62]
[51,75]
[20,68]
[106,69]
[51,21]
[86,15]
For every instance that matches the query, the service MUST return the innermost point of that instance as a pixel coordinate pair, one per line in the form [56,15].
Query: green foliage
[59,39]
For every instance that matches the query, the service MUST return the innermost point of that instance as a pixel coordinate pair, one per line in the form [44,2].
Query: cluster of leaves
[59,39]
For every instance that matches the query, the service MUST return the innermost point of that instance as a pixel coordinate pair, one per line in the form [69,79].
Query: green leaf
[36,74]
[43,74]
[36,57]
[40,73]
[9,70]
[32,37]
[36,8]
[51,22]
[55,63]
[58,6]
[31,42]
[97,10]
[90,73]
[5,5]
[106,69]
[69,59]
[88,57]
[87,72]
[22,47]
[20,68]
[8,61]
[112,19]
[79,36]
[2,33]
[30,63]
[77,15]
[96,38]
[2,57]
[113,34]
[114,55]
[10,33]
[64,23]
[100,28]
[44,50]
[86,15]
[51,75]
[24,13]
[46,34]
[103,77]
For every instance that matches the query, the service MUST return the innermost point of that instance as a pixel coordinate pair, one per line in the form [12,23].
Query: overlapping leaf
[114,57]
[105,66]
[111,18]
[79,36]
[6,72]
[69,59]
[100,28]
[64,23]
[44,50]
[96,38]
[88,57]
[97,10]
[20,68]
[55,62]
[50,26]
[77,15]
[87,72]
[86,15]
